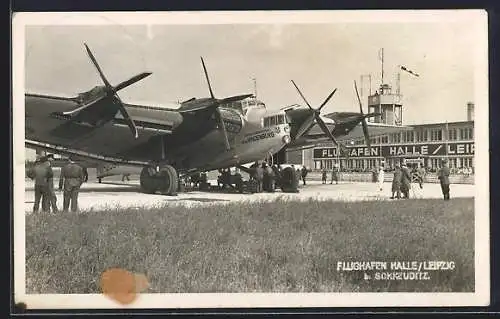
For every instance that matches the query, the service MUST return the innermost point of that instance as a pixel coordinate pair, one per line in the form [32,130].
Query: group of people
[265,176]
[71,178]
[335,175]
[401,181]
[403,177]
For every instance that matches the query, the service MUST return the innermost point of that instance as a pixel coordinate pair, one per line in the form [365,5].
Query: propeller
[365,125]
[218,102]
[111,91]
[315,115]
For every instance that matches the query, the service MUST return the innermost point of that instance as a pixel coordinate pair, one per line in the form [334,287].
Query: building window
[410,136]
[385,139]
[396,137]
[452,134]
[436,135]
[419,135]
[466,133]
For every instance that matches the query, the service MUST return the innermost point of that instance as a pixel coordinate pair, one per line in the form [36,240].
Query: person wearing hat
[41,172]
[50,200]
[303,174]
[335,174]
[405,180]
[71,178]
[444,179]
[396,182]
[323,176]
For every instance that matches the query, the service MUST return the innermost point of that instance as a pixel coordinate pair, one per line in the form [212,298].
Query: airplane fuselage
[200,145]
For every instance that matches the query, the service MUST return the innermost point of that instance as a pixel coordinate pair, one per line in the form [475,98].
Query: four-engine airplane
[202,134]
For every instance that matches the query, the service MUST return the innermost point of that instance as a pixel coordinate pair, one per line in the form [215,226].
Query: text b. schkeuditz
[395,270]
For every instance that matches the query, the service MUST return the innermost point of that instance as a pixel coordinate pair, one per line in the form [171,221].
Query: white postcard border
[477,18]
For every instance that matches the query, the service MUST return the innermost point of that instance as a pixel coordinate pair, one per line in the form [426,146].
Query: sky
[319,57]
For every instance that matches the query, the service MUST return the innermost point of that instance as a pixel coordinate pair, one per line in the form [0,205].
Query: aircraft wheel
[286,181]
[148,180]
[169,180]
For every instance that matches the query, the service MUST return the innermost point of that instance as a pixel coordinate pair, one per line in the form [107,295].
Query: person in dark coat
[265,177]
[277,175]
[41,172]
[72,177]
[269,172]
[335,174]
[396,182]
[405,181]
[323,176]
[421,176]
[259,177]
[303,174]
[50,201]
[444,179]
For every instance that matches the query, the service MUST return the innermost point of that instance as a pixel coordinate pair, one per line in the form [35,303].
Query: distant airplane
[202,134]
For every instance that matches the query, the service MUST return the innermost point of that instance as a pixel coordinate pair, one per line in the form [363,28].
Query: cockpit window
[275,120]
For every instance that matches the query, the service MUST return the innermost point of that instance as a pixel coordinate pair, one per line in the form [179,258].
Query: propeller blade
[363,122]
[208,80]
[306,125]
[359,100]
[367,136]
[132,80]
[325,129]
[87,104]
[218,117]
[94,61]
[234,98]
[298,90]
[327,99]
[126,117]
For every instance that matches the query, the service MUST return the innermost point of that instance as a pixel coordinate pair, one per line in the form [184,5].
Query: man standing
[421,176]
[323,176]
[381,177]
[396,182]
[303,173]
[50,201]
[270,178]
[335,174]
[41,173]
[72,177]
[405,180]
[259,176]
[444,179]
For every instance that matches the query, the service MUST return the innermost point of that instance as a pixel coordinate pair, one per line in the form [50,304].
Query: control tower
[388,104]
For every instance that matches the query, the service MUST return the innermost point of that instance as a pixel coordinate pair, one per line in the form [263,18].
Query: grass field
[254,247]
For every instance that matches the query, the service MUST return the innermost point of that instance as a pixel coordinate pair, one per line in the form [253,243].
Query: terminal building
[391,141]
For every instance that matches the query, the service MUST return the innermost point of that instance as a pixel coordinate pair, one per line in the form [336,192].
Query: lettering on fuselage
[261,135]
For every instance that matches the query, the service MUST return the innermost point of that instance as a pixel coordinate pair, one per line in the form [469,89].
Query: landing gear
[148,180]
[165,180]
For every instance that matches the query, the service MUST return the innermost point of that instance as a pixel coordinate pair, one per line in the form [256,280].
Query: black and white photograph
[251,159]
